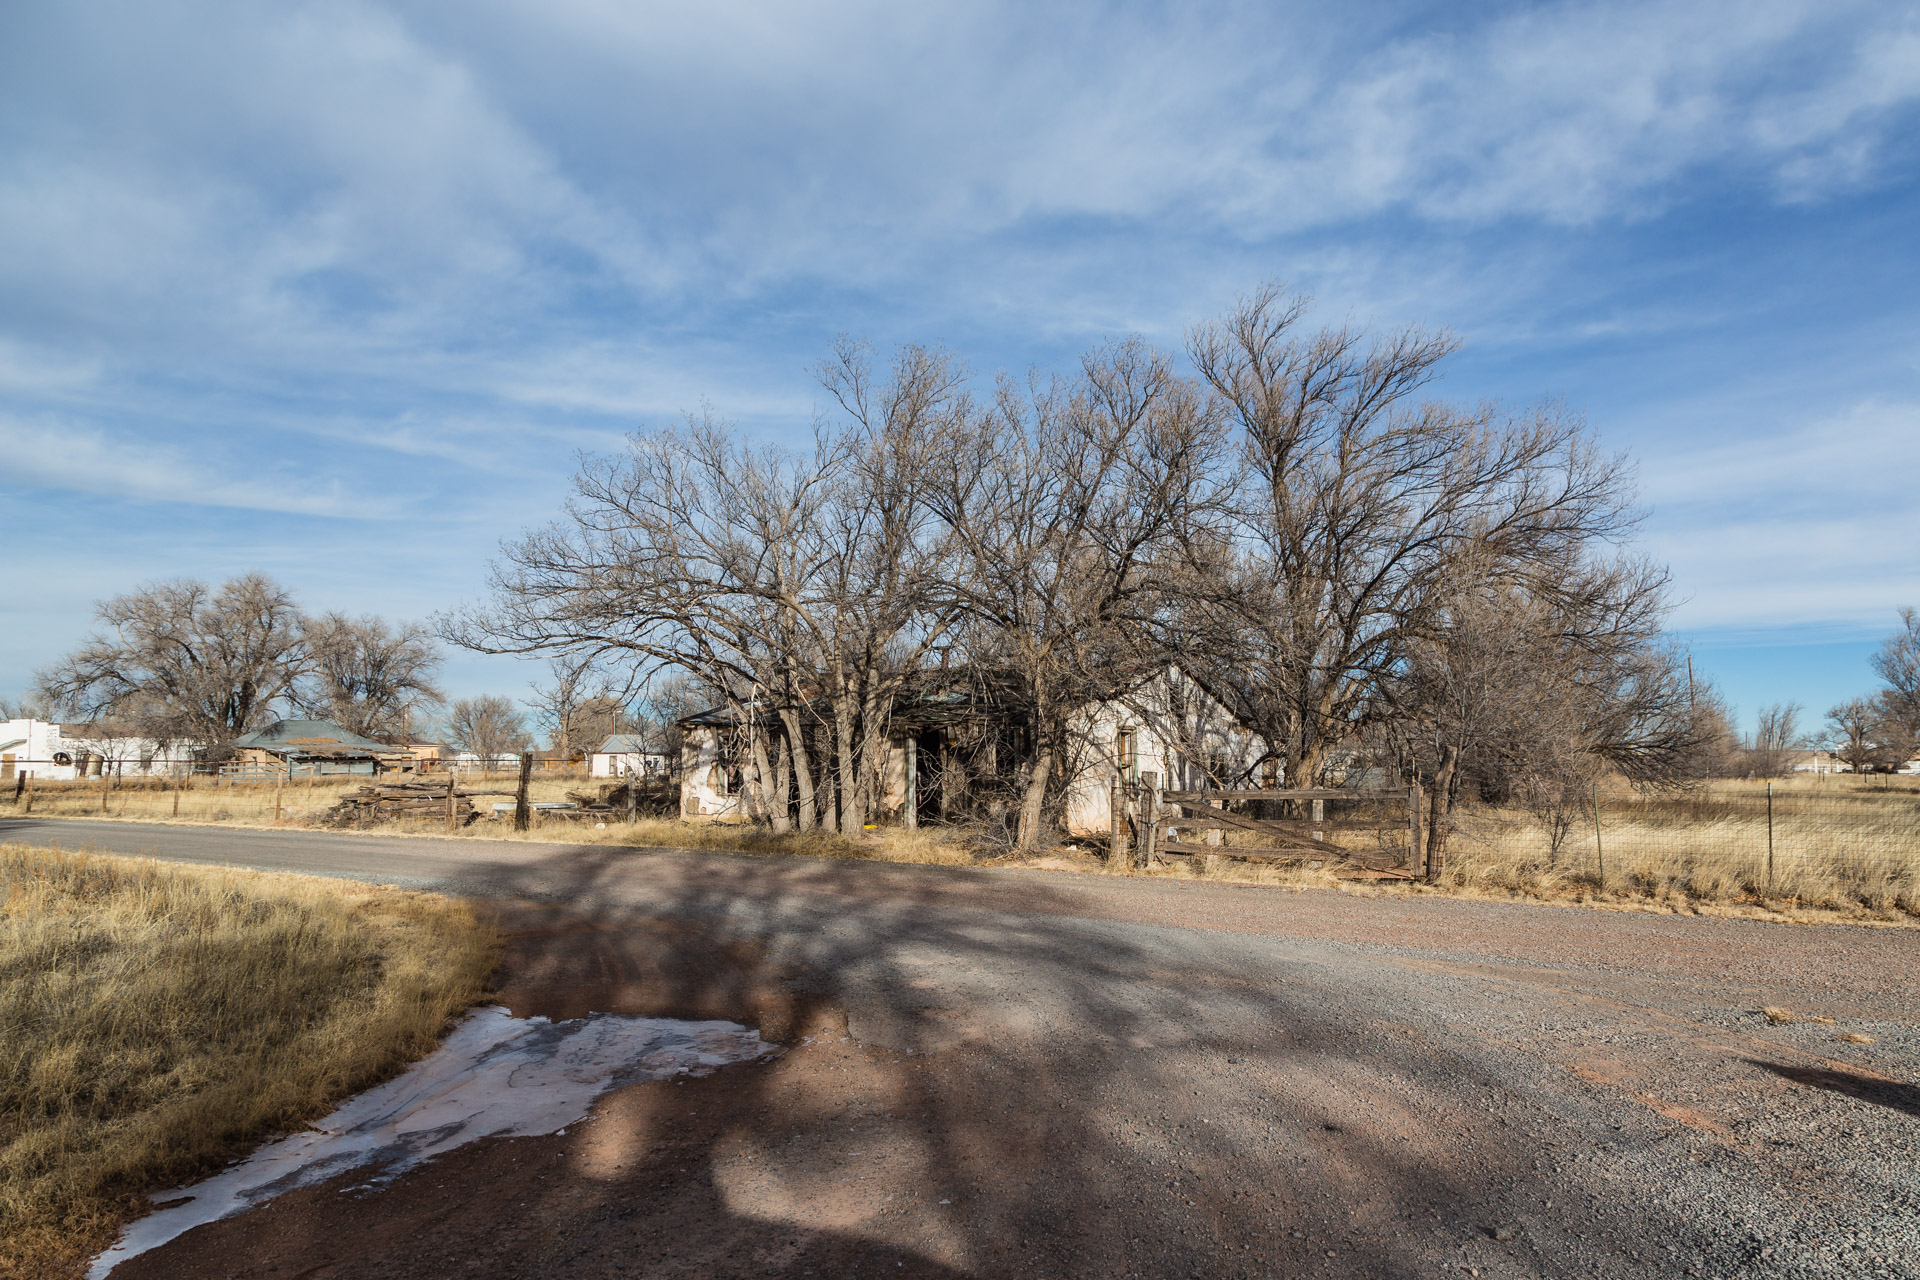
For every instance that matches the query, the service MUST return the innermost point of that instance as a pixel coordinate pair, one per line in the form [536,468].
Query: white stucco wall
[37,744]
[1178,728]
[703,788]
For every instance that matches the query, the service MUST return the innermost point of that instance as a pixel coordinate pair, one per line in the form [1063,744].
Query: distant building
[1816,762]
[62,752]
[624,754]
[304,748]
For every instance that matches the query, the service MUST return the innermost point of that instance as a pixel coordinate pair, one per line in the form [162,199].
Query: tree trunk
[761,787]
[1440,806]
[847,762]
[802,763]
[1033,803]
[783,788]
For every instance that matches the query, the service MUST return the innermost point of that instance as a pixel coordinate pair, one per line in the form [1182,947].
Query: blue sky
[339,290]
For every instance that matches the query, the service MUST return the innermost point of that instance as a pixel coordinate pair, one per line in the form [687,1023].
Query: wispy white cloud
[1806,526]
[82,459]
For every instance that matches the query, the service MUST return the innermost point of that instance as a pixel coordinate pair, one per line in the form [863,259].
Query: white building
[1167,725]
[63,752]
[624,754]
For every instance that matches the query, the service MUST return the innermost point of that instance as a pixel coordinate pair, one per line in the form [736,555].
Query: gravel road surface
[993,1073]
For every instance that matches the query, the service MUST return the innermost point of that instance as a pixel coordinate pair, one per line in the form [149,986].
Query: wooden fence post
[19,785]
[106,787]
[1117,846]
[1149,815]
[450,800]
[522,813]
[276,802]
[29,808]
[176,798]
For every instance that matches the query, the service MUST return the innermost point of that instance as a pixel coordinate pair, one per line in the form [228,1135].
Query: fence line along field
[153,1017]
[1828,842]
[1835,841]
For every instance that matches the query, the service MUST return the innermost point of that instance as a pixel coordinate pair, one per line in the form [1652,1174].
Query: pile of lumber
[382,801]
[649,798]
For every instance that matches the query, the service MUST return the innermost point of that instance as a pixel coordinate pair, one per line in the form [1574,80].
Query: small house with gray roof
[308,747]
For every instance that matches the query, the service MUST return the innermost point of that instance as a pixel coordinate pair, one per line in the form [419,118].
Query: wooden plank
[1306,793]
[1367,861]
[1203,818]
[1305,854]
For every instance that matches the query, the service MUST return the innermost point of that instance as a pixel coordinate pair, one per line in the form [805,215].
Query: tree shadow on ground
[1874,1089]
[978,1080]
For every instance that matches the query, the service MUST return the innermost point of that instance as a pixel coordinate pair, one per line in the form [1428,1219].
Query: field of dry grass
[1841,845]
[1842,848]
[155,1017]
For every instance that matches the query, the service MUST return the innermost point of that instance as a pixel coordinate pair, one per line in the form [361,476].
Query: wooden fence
[1302,833]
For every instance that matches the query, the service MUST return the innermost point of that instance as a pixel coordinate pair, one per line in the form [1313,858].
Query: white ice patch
[495,1076]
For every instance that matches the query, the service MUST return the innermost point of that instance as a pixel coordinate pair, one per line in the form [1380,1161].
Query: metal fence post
[1416,856]
[1769,836]
[1599,850]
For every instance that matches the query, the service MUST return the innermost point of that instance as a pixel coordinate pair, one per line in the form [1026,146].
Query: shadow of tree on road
[1878,1091]
[979,1080]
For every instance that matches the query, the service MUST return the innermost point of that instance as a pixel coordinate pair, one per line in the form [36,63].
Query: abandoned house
[307,747]
[956,742]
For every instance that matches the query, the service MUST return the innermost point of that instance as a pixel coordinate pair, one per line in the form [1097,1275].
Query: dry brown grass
[1841,845]
[1844,847]
[153,1017]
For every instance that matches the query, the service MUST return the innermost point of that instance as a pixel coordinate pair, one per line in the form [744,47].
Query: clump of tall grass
[153,1017]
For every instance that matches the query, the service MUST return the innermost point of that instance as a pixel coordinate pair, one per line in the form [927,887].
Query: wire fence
[68,768]
[1789,836]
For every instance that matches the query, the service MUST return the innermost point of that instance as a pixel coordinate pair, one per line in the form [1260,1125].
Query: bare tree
[1356,502]
[575,708]
[1859,733]
[1059,499]
[368,673]
[1776,733]
[25,707]
[793,583]
[491,727]
[1529,699]
[1898,664]
[183,662]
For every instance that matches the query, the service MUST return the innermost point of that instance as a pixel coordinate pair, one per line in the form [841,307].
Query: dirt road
[1000,1074]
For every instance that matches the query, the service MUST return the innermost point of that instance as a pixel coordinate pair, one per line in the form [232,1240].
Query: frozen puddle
[495,1076]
